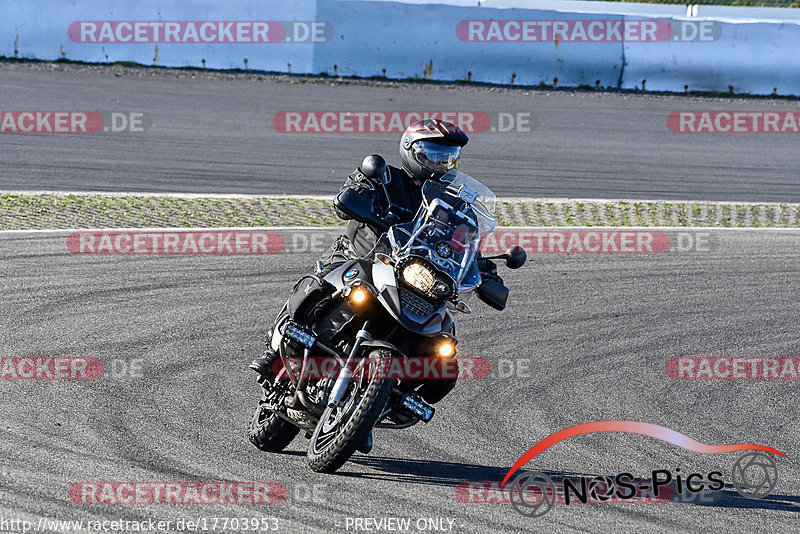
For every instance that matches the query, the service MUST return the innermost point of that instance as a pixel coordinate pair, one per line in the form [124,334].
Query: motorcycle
[390,307]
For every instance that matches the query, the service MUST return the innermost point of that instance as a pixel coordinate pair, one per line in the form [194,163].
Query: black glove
[488,270]
[493,290]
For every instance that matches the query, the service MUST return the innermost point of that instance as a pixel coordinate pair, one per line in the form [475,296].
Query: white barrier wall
[409,40]
[42,29]
[405,38]
[754,58]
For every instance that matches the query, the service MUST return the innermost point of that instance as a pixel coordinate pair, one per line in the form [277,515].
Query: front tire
[330,449]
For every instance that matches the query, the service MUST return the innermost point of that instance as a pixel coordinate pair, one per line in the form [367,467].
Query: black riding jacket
[401,197]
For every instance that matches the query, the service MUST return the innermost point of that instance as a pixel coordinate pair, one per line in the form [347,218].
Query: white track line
[235,196]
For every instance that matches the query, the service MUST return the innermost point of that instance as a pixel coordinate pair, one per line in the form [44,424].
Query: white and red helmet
[430,148]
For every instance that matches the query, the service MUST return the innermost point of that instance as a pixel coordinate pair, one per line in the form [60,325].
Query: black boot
[367,445]
[263,364]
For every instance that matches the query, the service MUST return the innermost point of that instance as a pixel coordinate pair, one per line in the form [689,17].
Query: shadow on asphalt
[426,472]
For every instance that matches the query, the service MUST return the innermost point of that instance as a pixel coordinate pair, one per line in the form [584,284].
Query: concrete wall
[415,39]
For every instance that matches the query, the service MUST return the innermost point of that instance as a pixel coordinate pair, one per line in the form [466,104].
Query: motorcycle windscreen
[449,227]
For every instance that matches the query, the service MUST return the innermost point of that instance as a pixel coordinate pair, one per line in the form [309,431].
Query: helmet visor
[436,157]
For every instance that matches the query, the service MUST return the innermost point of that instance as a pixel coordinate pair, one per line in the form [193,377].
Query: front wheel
[341,429]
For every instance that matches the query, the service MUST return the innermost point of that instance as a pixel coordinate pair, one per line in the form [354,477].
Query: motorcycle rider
[429,148]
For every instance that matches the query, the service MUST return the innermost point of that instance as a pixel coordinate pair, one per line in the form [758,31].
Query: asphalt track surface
[595,330]
[216,136]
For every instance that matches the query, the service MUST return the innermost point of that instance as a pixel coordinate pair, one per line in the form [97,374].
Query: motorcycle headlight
[358,295]
[446,349]
[419,276]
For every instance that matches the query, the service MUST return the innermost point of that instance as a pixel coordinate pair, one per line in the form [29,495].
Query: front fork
[346,372]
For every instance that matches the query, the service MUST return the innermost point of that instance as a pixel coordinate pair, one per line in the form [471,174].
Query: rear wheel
[342,429]
[267,431]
